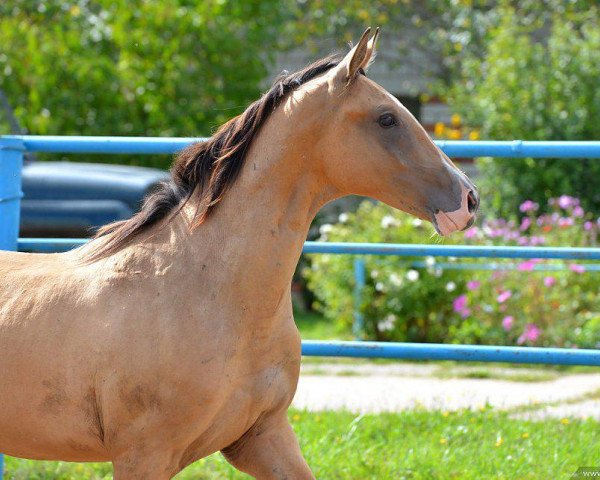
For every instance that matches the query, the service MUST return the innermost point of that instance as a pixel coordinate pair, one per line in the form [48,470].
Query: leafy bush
[133,67]
[399,302]
[526,88]
[532,304]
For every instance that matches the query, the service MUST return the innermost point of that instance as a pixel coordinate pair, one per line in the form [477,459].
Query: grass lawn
[410,445]
[313,326]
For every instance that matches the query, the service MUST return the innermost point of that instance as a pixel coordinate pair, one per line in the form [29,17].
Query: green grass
[314,326]
[410,445]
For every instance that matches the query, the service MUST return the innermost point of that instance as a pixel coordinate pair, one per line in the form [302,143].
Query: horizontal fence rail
[437,351]
[397,249]
[170,145]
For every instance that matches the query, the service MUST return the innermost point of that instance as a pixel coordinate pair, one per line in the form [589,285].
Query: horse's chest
[246,395]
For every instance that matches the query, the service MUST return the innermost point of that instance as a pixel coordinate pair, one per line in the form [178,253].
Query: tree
[134,67]
[537,81]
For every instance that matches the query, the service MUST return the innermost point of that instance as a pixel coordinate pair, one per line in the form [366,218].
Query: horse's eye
[387,120]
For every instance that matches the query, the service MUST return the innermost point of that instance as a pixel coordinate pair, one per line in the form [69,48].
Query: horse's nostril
[471,202]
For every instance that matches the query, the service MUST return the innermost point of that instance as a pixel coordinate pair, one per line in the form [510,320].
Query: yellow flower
[296,417]
[382,18]
[443,441]
[363,14]
[445,414]
[75,10]
[525,435]
[455,120]
[454,134]
[474,135]
[439,128]
[564,421]
[499,441]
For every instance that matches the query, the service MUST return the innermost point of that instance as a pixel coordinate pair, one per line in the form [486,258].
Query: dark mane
[208,168]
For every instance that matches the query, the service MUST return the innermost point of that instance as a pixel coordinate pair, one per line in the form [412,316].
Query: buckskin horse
[170,335]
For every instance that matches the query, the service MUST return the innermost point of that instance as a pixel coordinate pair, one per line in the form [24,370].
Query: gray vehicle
[72,199]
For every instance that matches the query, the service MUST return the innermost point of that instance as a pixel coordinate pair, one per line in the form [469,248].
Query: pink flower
[473,284]
[507,322]
[528,206]
[537,241]
[527,266]
[578,211]
[531,334]
[588,225]
[504,296]
[525,224]
[460,306]
[549,281]
[565,222]
[471,232]
[566,201]
[576,268]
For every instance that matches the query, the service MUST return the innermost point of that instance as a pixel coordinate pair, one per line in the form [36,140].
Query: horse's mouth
[444,224]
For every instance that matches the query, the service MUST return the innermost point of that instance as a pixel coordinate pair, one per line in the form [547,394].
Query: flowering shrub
[399,302]
[535,302]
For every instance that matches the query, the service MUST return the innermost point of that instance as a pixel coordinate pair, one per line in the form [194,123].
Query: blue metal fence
[11,157]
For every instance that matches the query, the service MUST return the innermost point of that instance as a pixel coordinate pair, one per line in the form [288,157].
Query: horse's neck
[257,232]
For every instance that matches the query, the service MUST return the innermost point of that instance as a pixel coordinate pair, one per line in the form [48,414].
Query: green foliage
[417,445]
[134,67]
[525,88]
[399,302]
[435,304]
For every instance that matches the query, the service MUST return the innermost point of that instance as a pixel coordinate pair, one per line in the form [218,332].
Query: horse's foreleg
[269,450]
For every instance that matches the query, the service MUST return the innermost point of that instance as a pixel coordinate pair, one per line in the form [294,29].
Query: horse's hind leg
[269,450]
[144,466]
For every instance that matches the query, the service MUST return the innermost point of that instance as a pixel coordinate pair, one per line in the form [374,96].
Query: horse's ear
[370,50]
[359,57]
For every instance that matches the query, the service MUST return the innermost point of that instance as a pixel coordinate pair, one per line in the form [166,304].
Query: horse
[170,336]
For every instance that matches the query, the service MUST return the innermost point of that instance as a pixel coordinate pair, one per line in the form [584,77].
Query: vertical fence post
[359,285]
[11,164]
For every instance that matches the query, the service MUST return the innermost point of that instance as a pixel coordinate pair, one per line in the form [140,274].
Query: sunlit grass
[409,445]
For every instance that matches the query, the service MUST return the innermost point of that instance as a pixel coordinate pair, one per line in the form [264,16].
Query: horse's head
[371,145]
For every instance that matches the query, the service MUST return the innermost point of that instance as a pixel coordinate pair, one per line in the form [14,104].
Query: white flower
[412,275]
[429,261]
[452,259]
[417,222]
[325,228]
[387,323]
[389,221]
[379,287]
[374,273]
[396,280]
[343,218]
[437,272]
[450,286]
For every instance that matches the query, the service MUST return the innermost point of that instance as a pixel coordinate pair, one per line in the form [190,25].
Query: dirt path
[395,387]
